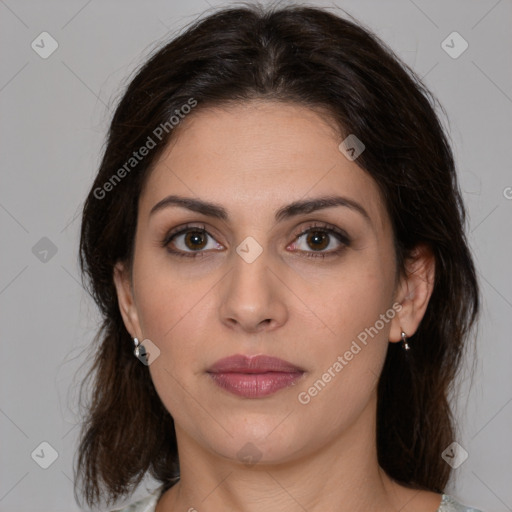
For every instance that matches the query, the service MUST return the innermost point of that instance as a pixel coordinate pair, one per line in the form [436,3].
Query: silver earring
[405,345]
[137,347]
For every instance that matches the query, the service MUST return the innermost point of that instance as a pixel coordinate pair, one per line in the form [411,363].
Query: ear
[122,281]
[413,292]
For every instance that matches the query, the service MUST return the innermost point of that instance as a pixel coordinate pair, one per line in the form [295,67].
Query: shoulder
[449,504]
[146,504]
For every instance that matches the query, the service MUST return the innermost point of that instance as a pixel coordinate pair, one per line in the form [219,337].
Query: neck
[342,475]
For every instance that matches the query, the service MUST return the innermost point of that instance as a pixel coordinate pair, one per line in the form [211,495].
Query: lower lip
[255,385]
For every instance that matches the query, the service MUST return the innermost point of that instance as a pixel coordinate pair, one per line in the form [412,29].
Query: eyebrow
[293,209]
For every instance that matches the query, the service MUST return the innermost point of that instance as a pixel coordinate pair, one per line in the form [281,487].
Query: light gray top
[148,504]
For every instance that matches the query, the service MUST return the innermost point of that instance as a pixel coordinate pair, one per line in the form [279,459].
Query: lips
[253,364]
[254,377]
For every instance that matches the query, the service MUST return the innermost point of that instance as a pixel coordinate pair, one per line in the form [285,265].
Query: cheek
[346,364]
[354,300]
[164,304]
[164,294]
[356,312]
[170,311]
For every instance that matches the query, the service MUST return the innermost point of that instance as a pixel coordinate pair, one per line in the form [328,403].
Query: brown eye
[195,240]
[321,241]
[318,240]
[190,241]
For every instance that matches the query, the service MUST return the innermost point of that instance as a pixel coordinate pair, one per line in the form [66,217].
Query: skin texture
[253,159]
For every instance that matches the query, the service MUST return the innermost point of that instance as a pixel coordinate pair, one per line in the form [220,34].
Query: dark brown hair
[311,57]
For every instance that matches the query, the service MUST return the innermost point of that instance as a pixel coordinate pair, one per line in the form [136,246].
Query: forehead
[257,157]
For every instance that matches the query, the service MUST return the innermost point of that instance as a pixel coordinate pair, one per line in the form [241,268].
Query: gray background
[54,115]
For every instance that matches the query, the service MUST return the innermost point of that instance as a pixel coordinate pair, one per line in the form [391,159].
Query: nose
[253,297]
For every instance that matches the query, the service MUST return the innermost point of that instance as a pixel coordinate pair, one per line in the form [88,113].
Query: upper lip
[240,363]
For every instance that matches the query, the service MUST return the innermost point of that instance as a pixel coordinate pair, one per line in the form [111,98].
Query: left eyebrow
[320,203]
[296,208]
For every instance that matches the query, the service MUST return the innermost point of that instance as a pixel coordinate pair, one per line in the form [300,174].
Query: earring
[405,345]
[137,347]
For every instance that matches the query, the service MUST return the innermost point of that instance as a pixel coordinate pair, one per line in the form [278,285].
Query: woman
[275,239]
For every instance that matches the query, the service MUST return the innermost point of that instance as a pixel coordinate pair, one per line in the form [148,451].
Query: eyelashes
[316,232]
[198,231]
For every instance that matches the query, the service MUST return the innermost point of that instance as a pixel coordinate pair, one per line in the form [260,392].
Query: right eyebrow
[204,207]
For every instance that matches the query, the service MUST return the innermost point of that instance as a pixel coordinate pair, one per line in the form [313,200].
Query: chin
[256,440]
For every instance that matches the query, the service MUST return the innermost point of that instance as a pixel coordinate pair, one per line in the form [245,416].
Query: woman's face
[253,284]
